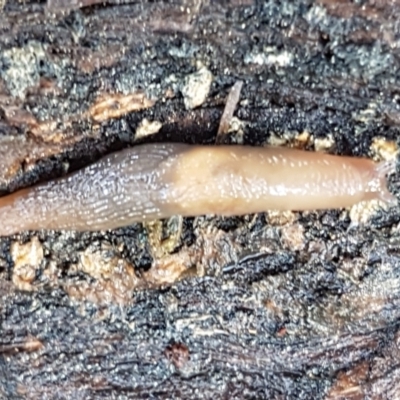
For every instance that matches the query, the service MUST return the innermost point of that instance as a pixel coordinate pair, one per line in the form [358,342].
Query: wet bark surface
[275,305]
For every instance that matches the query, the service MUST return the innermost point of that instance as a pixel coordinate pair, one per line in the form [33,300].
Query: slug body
[156,181]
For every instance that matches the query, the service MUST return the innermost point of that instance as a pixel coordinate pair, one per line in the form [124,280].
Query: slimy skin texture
[157,181]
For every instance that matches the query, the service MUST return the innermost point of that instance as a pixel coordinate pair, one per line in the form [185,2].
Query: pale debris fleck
[196,88]
[324,144]
[302,140]
[147,128]
[115,278]
[361,212]
[115,105]
[298,140]
[27,259]
[23,67]
[384,149]
[269,56]
[292,237]
[236,130]
[276,217]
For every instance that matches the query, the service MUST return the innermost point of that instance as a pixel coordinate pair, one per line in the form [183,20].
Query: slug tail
[14,219]
[382,170]
[8,222]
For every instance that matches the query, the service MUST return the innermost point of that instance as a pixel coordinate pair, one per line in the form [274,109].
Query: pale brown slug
[155,181]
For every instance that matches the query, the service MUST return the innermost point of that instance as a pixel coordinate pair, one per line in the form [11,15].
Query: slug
[156,181]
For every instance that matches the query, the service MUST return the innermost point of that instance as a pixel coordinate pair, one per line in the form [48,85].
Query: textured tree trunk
[276,305]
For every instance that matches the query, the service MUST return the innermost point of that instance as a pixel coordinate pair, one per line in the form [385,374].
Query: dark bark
[293,306]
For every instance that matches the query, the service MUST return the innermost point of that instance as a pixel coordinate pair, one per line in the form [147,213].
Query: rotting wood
[263,306]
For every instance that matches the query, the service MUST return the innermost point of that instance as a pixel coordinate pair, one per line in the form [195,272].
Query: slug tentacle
[382,170]
[157,181]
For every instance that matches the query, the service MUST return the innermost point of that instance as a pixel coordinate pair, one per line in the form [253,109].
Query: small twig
[230,106]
